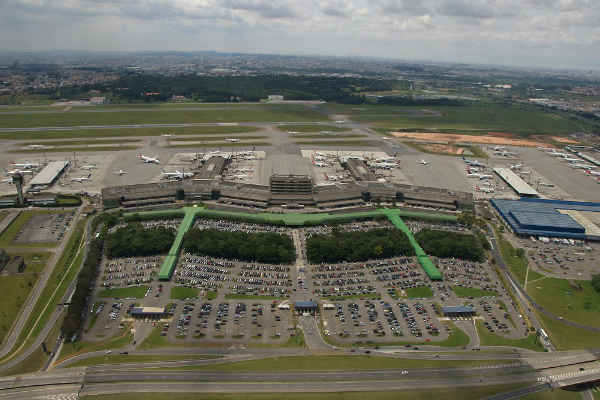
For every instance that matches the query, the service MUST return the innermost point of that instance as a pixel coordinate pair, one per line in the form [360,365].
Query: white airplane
[385,159]
[498,148]
[25,165]
[516,166]
[18,171]
[474,163]
[473,175]
[571,159]
[7,180]
[120,172]
[167,135]
[321,164]
[385,165]
[36,146]
[177,174]
[486,190]
[582,166]
[232,140]
[484,176]
[147,159]
[82,179]
[423,162]
[89,167]
[555,154]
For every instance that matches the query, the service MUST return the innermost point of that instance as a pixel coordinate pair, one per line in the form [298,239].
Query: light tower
[18,181]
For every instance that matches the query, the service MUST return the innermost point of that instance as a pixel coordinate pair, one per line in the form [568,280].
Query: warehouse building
[148,312]
[458,311]
[48,175]
[549,218]
[516,183]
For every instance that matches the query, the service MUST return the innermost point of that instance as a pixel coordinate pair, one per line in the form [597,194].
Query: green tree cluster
[357,246]
[446,244]
[134,240]
[267,247]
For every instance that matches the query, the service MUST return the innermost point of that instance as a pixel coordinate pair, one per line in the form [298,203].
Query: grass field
[558,296]
[76,149]
[330,136]
[520,119]
[311,128]
[154,339]
[337,363]
[487,338]
[182,293]
[7,237]
[137,358]
[517,265]
[213,138]
[452,393]
[64,272]
[339,143]
[297,340]
[80,347]
[565,337]
[468,292]
[82,142]
[221,144]
[418,292]
[38,359]
[137,292]
[258,113]
[15,289]
[123,132]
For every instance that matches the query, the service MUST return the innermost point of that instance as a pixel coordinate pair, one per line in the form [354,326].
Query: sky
[535,33]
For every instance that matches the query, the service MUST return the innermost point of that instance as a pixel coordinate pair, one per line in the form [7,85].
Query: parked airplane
[25,165]
[18,171]
[385,165]
[474,163]
[232,140]
[36,146]
[484,176]
[82,179]
[423,162]
[555,154]
[590,172]
[486,190]
[167,135]
[516,166]
[582,166]
[177,174]
[498,148]
[89,167]
[571,159]
[120,172]
[321,164]
[148,159]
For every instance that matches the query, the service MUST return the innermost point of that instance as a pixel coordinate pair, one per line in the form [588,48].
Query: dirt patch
[443,149]
[560,139]
[502,139]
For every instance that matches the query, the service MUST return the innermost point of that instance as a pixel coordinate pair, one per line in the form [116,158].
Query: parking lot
[45,227]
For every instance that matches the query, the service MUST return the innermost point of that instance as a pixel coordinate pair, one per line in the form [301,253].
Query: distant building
[148,312]
[275,97]
[458,311]
[98,100]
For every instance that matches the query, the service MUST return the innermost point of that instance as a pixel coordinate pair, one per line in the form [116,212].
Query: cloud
[449,30]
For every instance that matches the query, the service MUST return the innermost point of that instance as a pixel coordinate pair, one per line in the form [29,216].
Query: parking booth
[306,307]
[148,312]
[458,311]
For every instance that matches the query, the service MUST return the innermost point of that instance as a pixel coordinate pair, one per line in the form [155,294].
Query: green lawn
[75,149]
[519,118]
[419,292]
[63,274]
[468,292]
[516,265]
[451,393]
[337,363]
[182,293]
[137,292]
[235,296]
[329,136]
[3,215]
[487,338]
[80,347]
[123,132]
[83,142]
[214,138]
[137,358]
[256,113]
[556,394]
[340,143]
[297,340]
[311,128]
[211,295]
[223,144]
[565,337]
[154,339]
[15,289]
[559,297]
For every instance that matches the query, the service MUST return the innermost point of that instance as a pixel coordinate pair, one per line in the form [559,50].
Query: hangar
[552,218]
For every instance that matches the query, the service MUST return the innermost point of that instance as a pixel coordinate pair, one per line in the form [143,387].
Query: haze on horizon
[533,33]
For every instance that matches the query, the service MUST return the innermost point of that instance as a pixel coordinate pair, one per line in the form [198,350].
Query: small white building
[275,97]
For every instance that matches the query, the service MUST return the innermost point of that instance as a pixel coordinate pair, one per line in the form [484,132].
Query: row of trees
[267,247]
[357,246]
[134,240]
[446,244]
[77,311]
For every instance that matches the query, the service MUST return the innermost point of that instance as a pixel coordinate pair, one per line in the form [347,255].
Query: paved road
[56,313]
[31,301]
